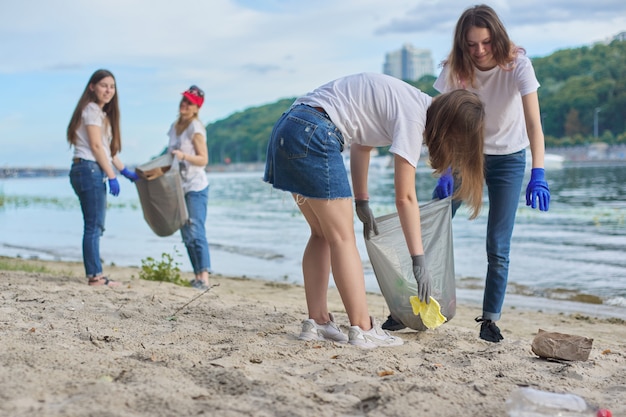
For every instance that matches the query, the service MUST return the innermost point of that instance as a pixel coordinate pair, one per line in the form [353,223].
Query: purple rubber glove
[422,277]
[129,174]
[445,185]
[365,214]
[537,190]
[114,187]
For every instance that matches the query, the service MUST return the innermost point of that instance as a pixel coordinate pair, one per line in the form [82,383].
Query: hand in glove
[537,190]
[422,277]
[114,187]
[129,174]
[445,185]
[365,214]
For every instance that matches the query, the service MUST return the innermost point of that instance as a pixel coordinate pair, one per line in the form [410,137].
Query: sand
[158,349]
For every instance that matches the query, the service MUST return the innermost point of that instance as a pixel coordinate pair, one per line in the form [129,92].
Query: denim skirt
[304,155]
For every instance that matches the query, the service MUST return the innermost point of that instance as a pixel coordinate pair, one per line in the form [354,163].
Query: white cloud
[241,52]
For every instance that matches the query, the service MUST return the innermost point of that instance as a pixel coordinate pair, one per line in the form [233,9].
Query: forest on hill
[582,99]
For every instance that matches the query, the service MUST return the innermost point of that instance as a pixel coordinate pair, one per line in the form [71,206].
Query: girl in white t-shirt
[304,157]
[94,132]
[484,60]
[187,142]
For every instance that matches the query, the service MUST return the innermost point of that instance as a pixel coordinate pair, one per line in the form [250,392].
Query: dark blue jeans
[503,175]
[88,182]
[194,232]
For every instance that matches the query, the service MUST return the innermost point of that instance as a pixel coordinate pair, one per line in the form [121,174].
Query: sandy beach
[157,349]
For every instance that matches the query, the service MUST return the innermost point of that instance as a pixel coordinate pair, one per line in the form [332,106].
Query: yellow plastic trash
[430,313]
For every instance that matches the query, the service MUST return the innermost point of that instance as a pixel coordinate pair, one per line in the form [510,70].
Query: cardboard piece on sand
[561,346]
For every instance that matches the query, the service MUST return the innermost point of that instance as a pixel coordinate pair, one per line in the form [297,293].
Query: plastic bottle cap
[604,413]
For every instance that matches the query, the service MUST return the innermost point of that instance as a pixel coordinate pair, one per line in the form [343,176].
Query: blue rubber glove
[129,174]
[537,190]
[445,185]
[364,212]
[114,187]
[422,277]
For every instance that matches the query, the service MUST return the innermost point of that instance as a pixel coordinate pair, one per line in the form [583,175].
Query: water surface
[577,250]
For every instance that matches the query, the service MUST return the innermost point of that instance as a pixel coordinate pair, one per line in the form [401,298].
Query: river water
[576,251]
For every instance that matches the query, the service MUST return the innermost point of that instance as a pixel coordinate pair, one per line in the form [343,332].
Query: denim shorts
[304,155]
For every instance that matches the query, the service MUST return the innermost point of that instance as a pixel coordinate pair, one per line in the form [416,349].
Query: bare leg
[316,269]
[203,276]
[332,246]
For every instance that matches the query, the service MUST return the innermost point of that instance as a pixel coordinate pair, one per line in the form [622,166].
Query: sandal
[100,281]
[199,285]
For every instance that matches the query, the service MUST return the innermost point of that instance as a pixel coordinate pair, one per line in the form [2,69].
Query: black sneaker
[392,324]
[489,331]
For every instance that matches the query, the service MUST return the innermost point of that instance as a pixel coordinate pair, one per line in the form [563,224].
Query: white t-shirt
[92,115]
[375,110]
[193,176]
[501,92]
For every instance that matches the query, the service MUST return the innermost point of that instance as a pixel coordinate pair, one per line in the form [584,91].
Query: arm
[537,190]
[95,143]
[532,117]
[359,166]
[201,158]
[117,163]
[407,205]
[132,176]
[409,214]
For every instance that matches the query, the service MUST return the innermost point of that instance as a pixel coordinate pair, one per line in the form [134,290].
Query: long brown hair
[461,67]
[111,109]
[454,135]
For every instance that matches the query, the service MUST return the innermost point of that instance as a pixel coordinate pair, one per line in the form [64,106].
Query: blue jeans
[503,175]
[194,233]
[88,182]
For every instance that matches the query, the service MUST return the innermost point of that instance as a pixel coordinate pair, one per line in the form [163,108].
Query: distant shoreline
[43,172]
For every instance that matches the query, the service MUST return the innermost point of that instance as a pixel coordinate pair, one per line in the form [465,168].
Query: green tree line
[582,99]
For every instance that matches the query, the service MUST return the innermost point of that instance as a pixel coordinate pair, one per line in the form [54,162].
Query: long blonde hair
[461,67]
[111,109]
[454,135]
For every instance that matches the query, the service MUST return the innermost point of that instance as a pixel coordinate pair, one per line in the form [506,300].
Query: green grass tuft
[164,270]
[11,265]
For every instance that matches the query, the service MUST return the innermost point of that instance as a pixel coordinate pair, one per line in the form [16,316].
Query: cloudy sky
[243,53]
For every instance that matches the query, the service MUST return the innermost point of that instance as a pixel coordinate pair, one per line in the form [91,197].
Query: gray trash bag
[393,268]
[161,195]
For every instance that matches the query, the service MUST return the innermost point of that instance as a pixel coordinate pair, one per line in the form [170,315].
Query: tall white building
[409,63]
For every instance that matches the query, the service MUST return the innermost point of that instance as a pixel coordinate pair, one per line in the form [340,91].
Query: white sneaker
[374,337]
[328,331]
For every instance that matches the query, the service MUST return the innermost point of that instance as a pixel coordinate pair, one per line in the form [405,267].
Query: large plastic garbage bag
[161,195]
[393,268]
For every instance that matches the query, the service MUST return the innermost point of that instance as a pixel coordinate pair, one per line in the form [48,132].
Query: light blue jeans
[87,179]
[503,175]
[194,232]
